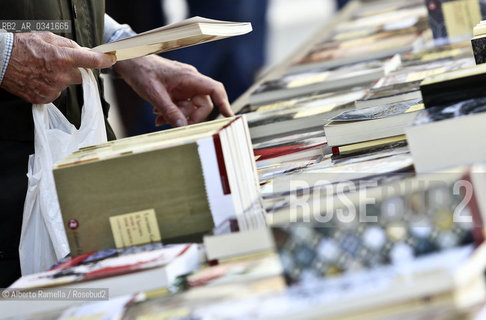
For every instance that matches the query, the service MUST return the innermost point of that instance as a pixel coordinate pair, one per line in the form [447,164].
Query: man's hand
[179,93]
[43,64]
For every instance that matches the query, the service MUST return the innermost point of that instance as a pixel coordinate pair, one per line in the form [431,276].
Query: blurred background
[280,26]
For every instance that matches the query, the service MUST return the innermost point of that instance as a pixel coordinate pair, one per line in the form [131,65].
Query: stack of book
[367,150]
[456,103]
[339,160]
[376,126]
[105,274]
[323,80]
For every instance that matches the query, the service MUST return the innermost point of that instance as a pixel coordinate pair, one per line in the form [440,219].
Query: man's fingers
[206,86]
[186,107]
[76,77]
[204,108]
[170,111]
[86,58]
[62,42]
[160,120]
[220,99]
[40,92]
[72,76]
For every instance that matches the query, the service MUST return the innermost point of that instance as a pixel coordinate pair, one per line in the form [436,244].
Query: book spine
[454,90]
[479,49]
[72,261]
[221,164]
[335,151]
[436,19]
[216,180]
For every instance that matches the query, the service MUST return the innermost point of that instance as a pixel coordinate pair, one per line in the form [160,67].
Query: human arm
[6,44]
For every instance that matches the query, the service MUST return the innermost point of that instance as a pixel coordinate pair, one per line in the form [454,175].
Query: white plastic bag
[43,240]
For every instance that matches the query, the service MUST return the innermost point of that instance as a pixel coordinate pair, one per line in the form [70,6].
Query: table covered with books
[350,185]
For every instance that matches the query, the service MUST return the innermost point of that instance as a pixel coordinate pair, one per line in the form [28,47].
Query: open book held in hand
[182,34]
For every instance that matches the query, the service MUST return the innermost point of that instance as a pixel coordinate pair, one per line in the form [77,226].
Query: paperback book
[379,46]
[393,93]
[447,136]
[410,218]
[182,34]
[367,146]
[299,115]
[478,42]
[109,273]
[454,86]
[421,71]
[171,186]
[371,123]
[319,80]
[436,53]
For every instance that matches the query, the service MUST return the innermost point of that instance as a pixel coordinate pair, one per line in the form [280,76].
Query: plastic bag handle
[92,113]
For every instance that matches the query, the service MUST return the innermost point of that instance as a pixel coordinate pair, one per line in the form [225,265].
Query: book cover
[454,86]
[104,279]
[323,80]
[444,52]
[132,260]
[392,90]
[299,115]
[425,70]
[326,177]
[393,93]
[361,49]
[454,20]
[405,17]
[416,219]
[463,125]
[378,8]
[479,49]
[380,112]
[450,111]
[371,123]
